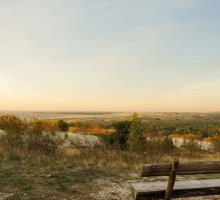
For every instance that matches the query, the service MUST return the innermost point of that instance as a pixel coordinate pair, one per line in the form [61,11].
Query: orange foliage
[187,136]
[162,133]
[209,139]
[49,126]
[91,128]
[216,137]
[43,125]
[196,137]
[74,129]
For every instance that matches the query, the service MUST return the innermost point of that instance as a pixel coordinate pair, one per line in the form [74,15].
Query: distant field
[115,115]
[65,115]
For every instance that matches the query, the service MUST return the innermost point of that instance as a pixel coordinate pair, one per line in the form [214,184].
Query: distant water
[57,115]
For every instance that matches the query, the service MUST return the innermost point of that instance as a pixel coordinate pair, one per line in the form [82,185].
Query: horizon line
[71,111]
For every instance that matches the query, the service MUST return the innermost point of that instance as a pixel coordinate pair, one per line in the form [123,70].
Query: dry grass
[30,169]
[74,176]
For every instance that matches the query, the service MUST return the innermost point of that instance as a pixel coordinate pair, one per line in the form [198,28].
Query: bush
[156,147]
[192,148]
[167,145]
[12,125]
[40,142]
[62,125]
[43,144]
[15,129]
[22,138]
[120,136]
[216,144]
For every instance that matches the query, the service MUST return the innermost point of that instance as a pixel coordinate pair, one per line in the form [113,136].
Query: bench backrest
[177,168]
[189,168]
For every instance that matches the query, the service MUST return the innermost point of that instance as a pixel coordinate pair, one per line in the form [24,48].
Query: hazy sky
[110,55]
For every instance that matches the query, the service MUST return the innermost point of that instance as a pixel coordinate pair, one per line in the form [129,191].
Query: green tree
[62,125]
[136,139]
[120,136]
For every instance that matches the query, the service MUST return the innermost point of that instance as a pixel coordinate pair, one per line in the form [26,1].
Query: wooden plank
[144,191]
[163,169]
[171,180]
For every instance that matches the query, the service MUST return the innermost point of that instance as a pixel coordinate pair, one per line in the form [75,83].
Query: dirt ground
[108,190]
[122,191]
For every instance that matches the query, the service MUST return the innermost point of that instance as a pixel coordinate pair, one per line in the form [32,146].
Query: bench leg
[172,179]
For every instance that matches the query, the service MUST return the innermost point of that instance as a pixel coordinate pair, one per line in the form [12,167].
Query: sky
[110,55]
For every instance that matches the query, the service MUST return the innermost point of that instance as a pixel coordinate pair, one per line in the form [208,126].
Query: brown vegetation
[32,147]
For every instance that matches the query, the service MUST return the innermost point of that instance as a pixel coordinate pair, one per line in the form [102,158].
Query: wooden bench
[191,188]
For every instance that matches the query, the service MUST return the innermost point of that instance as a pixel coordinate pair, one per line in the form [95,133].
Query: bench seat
[156,190]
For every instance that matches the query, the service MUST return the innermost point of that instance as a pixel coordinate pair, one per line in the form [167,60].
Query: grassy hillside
[35,163]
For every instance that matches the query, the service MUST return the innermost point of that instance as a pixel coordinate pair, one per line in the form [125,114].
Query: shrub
[156,147]
[41,142]
[167,145]
[24,139]
[192,148]
[216,144]
[120,136]
[62,125]
[12,125]
[15,129]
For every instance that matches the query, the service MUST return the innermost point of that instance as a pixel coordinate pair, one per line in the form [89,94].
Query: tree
[136,139]
[62,125]
[120,136]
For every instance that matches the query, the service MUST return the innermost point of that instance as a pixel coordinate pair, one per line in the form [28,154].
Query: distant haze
[110,55]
